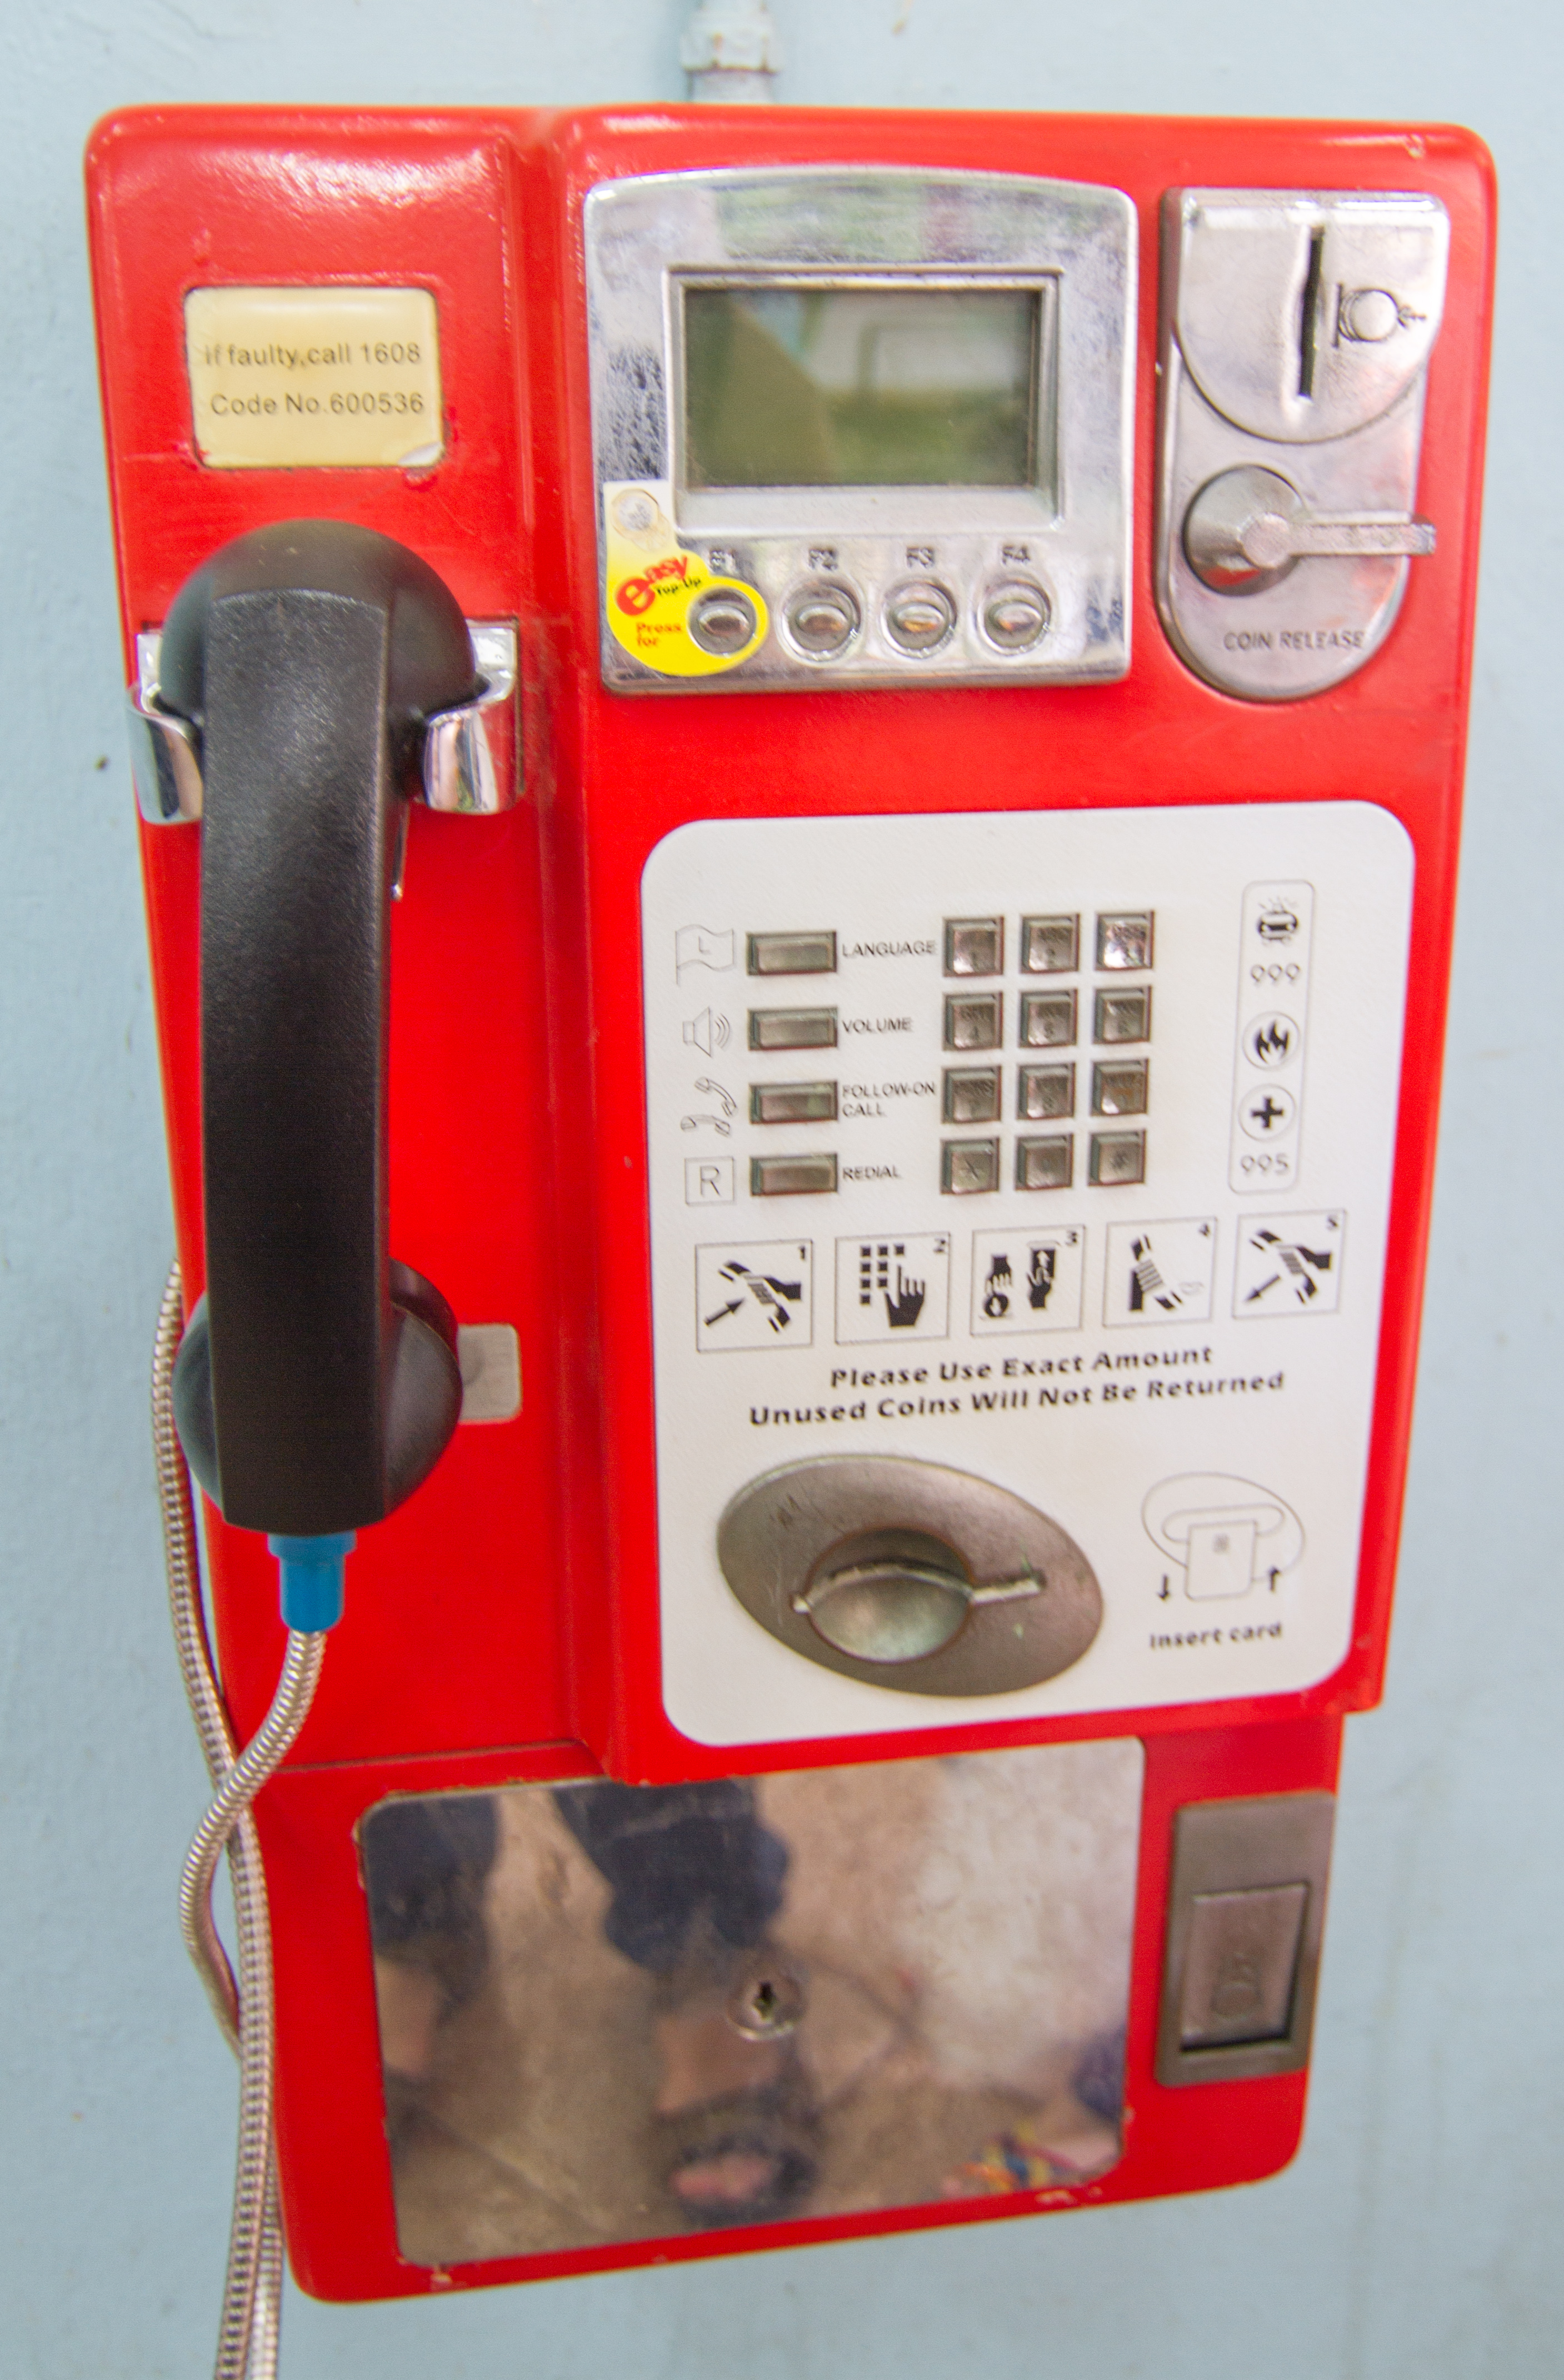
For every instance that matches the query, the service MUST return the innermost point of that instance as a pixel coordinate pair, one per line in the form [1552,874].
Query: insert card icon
[1225,1535]
[760,1293]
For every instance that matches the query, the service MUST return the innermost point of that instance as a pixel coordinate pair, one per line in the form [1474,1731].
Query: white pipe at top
[730,52]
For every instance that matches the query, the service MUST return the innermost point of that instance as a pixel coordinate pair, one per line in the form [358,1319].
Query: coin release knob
[1247,527]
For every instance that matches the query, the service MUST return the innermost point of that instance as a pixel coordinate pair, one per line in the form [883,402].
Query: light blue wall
[1418,2232]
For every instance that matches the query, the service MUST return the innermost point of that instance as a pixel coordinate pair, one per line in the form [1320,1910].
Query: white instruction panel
[1053,1149]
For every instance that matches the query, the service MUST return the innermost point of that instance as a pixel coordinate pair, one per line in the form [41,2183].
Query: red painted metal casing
[502,1625]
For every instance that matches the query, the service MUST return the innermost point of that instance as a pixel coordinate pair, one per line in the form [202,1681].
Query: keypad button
[1124,940]
[791,1177]
[1123,1016]
[723,621]
[1118,1157]
[1047,1019]
[974,1020]
[1050,945]
[1044,1092]
[1119,1089]
[972,1095]
[1047,1162]
[919,617]
[793,1029]
[792,954]
[1015,614]
[974,946]
[966,1166]
[792,1102]
[822,621]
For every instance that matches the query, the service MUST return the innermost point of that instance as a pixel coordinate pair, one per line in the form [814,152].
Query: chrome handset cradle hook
[466,766]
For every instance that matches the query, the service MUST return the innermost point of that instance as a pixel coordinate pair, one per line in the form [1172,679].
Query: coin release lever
[1248,526]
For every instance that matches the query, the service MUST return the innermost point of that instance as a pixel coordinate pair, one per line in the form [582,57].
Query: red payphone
[903,1030]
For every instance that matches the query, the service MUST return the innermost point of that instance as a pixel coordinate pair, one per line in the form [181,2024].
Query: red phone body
[508,1624]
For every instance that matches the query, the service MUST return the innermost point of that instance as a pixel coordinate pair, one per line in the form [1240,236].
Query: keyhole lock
[766,2003]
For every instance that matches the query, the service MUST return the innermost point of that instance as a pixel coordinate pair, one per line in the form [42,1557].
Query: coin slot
[1309,320]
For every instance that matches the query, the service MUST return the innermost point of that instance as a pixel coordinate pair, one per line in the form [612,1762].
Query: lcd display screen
[791,384]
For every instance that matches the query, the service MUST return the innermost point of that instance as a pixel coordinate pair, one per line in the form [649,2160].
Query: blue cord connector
[309,1577]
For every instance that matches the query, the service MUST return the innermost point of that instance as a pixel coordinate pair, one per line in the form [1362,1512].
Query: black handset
[317,1383]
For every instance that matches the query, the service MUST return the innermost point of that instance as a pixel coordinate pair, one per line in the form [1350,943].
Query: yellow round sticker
[665,605]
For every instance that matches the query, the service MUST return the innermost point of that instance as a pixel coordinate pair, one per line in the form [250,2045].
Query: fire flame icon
[1272,1040]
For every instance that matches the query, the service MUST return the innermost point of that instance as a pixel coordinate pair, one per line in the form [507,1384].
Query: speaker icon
[708,1032]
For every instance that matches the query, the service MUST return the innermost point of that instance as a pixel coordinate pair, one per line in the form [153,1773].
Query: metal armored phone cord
[247,2345]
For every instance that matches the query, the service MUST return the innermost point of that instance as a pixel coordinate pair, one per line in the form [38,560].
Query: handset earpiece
[317,1383]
